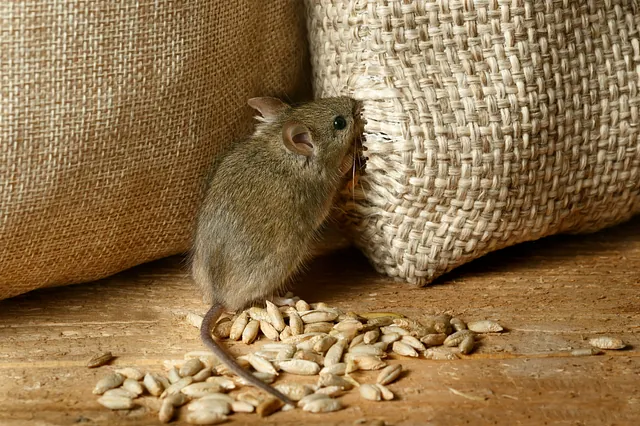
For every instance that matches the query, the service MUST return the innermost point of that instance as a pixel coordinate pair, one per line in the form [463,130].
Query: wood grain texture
[552,295]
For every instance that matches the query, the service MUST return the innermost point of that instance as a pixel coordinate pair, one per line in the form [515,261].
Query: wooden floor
[552,295]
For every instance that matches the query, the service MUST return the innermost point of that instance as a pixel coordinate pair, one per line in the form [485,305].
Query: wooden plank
[552,295]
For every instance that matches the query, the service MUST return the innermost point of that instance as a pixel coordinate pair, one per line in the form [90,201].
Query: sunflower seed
[130,373]
[251,397]
[366,350]
[133,386]
[120,392]
[269,406]
[319,327]
[433,339]
[458,324]
[173,375]
[439,353]
[586,352]
[116,402]
[194,319]
[297,339]
[276,316]
[242,407]
[269,331]
[413,342]
[205,418]
[380,322]
[348,325]
[308,345]
[309,356]
[285,333]
[351,367]
[301,305]
[322,405]
[383,346]
[346,335]
[368,363]
[259,314]
[238,326]
[177,387]
[296,324]
[324,344]
[219,396]
[198,390]
[294,391]
[403,349]
[326,380]
[263,377]
[331,391]
[467,344]
[250,332]
[457,337]
[223,370]
[394,329]
[606,342]
[167,411]
[389,374]
[318,316]
[261,364]
[386,394]
[207,358]
[390,338]
[299,366]
[486,326]
[313,397]
[268,355]
[334,354]
[215,405]
[371,336]
[370,392]
[163,380]
[222,329]
[100,360]
[339,369]
[110,381]
[223,382]
[202,375]
[153,385]
[177,399]
[358,340]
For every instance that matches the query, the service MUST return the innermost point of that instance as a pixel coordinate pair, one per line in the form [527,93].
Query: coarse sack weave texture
[110,115]
[489,122]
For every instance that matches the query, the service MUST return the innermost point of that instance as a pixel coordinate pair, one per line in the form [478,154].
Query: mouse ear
[268,107]
[297,138]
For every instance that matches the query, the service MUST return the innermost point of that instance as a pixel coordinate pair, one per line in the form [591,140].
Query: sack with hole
[488,123]
[110,115]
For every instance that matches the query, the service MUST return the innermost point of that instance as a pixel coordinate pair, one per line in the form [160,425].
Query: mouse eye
[339,123]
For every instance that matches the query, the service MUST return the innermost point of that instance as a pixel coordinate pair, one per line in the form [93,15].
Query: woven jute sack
[489,123]
[110,114]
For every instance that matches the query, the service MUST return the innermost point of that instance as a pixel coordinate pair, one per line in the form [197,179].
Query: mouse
[267,201]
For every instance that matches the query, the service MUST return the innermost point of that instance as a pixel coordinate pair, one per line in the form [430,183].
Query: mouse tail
[205,333]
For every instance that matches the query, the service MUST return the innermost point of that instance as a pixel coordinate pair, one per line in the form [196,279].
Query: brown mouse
[267,200]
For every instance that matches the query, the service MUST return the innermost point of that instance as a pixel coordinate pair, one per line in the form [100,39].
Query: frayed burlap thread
[489,122]
[110,114]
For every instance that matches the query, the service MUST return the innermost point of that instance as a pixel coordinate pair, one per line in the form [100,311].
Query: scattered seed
[110,381]
[242,407]
[276,316]
[259,314]
[301,305]
[251,397]
[606,342]
[205,418]
[261,364]
[295,391]
[116,402]
[394,329]
[380,322]
[308,345]
[198,390]
[269,406]
[458,324]
[269,331]
[334,354]
[194,319]
[130,373]
[300,367]
[153,385]
[318,316]
[250,332]
[403,349]
[202,375]
[167,411]
[177,399]
[238,326]
[413,342]
[313,397]
[467,344]
[223,370]
[309,356]
[177,386]
[219,396]
[120,392]
[358,340]
[322,405]
[370,392]
[222,329]
[100,359]
[339,369]
[368,363]
[319,327]
[173,375]
[285,333]
[456,338]
[433,339]
[586,352]
[348,325]
[439,353]
[390,338]
[295,322]
[223,382]
[326,380]
[133,386]
[324,344]
[486,326]
[371,336]
[215,405]
[331,391]
[386,394]
[389,374]
[207,358]
[366,350]
[297,339]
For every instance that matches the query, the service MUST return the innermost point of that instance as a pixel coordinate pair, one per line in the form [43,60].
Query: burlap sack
[110,114]
[489,123]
